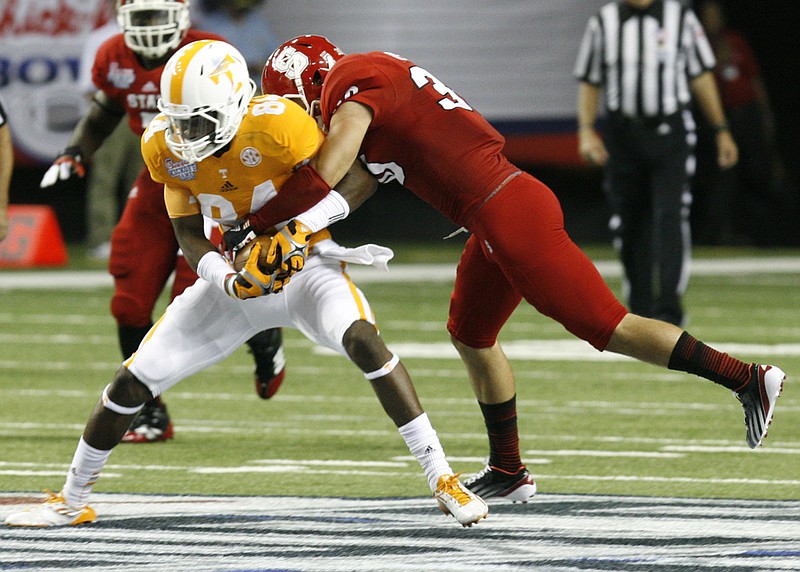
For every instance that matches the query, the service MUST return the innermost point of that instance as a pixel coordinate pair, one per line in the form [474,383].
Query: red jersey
[422,133]
[119,73]
[736,71]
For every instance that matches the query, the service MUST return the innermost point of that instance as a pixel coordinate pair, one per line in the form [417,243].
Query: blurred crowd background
[511,59]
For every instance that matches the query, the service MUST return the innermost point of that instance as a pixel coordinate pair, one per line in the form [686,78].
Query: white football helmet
[205,93]
[153,27]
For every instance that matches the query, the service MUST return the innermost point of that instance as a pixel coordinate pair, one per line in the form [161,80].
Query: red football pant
[144,252]
[519,249]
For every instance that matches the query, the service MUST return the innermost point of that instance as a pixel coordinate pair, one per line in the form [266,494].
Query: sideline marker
[34,238]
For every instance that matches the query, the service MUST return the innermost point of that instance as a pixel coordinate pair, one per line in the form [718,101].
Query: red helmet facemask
[297,69]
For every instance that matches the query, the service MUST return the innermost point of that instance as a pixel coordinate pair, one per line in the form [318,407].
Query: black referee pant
[647,186]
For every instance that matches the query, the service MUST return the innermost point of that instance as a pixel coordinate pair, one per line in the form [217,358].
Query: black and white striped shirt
[644,58]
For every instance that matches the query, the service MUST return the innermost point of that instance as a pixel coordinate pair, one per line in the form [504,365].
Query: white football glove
[69,163]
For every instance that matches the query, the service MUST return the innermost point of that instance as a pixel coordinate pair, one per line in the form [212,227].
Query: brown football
[242,256]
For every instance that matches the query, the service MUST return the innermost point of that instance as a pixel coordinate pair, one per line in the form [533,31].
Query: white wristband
[215,269]
[326,212]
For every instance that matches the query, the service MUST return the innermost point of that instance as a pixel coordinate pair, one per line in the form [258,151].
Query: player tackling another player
[405,124]
[222,153]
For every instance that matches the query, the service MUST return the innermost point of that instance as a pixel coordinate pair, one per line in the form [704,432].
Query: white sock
[83,473]
[423,443]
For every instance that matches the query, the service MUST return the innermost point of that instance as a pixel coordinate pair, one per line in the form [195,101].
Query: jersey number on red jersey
[451,99]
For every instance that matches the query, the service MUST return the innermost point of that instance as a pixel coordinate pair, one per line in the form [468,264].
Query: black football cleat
[267,350]
[492,482]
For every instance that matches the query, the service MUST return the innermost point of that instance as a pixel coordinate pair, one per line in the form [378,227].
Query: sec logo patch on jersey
[250,157]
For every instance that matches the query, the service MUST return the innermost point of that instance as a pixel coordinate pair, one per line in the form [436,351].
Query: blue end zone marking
[771,553]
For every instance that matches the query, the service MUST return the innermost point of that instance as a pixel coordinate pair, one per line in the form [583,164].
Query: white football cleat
[53,512]
[758,401]
[458,501]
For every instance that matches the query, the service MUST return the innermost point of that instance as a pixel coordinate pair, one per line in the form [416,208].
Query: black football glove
[237,237]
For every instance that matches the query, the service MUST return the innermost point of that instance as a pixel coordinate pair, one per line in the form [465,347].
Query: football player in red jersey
[144,251]
[406,125]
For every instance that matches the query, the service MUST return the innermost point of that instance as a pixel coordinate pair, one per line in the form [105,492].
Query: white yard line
[69,279]
[569,533]
[362,468]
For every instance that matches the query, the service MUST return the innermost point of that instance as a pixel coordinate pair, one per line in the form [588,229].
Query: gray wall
[511,59]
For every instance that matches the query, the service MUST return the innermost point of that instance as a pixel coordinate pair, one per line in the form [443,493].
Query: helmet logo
[223,68]
[290,62]
[329,59]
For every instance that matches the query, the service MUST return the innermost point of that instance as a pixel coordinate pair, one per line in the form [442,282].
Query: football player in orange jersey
[144,251]
[222,155]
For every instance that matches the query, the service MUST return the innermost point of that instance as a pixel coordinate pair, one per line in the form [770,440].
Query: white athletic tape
[332,208]
[108,404]
[385,370]
[214,268]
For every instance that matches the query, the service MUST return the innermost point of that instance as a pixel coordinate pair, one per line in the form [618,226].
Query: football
[242,255]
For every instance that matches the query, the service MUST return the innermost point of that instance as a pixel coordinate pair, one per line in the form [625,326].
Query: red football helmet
[297,69]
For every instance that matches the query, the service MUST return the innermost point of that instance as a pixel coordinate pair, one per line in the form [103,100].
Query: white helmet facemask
[205,93]
[152,28]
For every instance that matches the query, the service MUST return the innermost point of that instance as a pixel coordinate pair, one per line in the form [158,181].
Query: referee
[647,59]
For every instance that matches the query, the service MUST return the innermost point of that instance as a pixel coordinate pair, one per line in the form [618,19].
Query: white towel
[367,254]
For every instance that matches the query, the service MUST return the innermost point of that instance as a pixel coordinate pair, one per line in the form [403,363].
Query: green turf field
[587,425]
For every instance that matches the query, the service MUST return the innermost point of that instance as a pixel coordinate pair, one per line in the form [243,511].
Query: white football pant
[204,325]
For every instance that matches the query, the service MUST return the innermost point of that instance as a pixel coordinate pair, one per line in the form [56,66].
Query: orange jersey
[274,137]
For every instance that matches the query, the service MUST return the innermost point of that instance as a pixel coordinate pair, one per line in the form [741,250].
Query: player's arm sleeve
[588,66]
[304,189]
[97,77]
[179,200]
[359,80]
[355,188]
[699,53]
